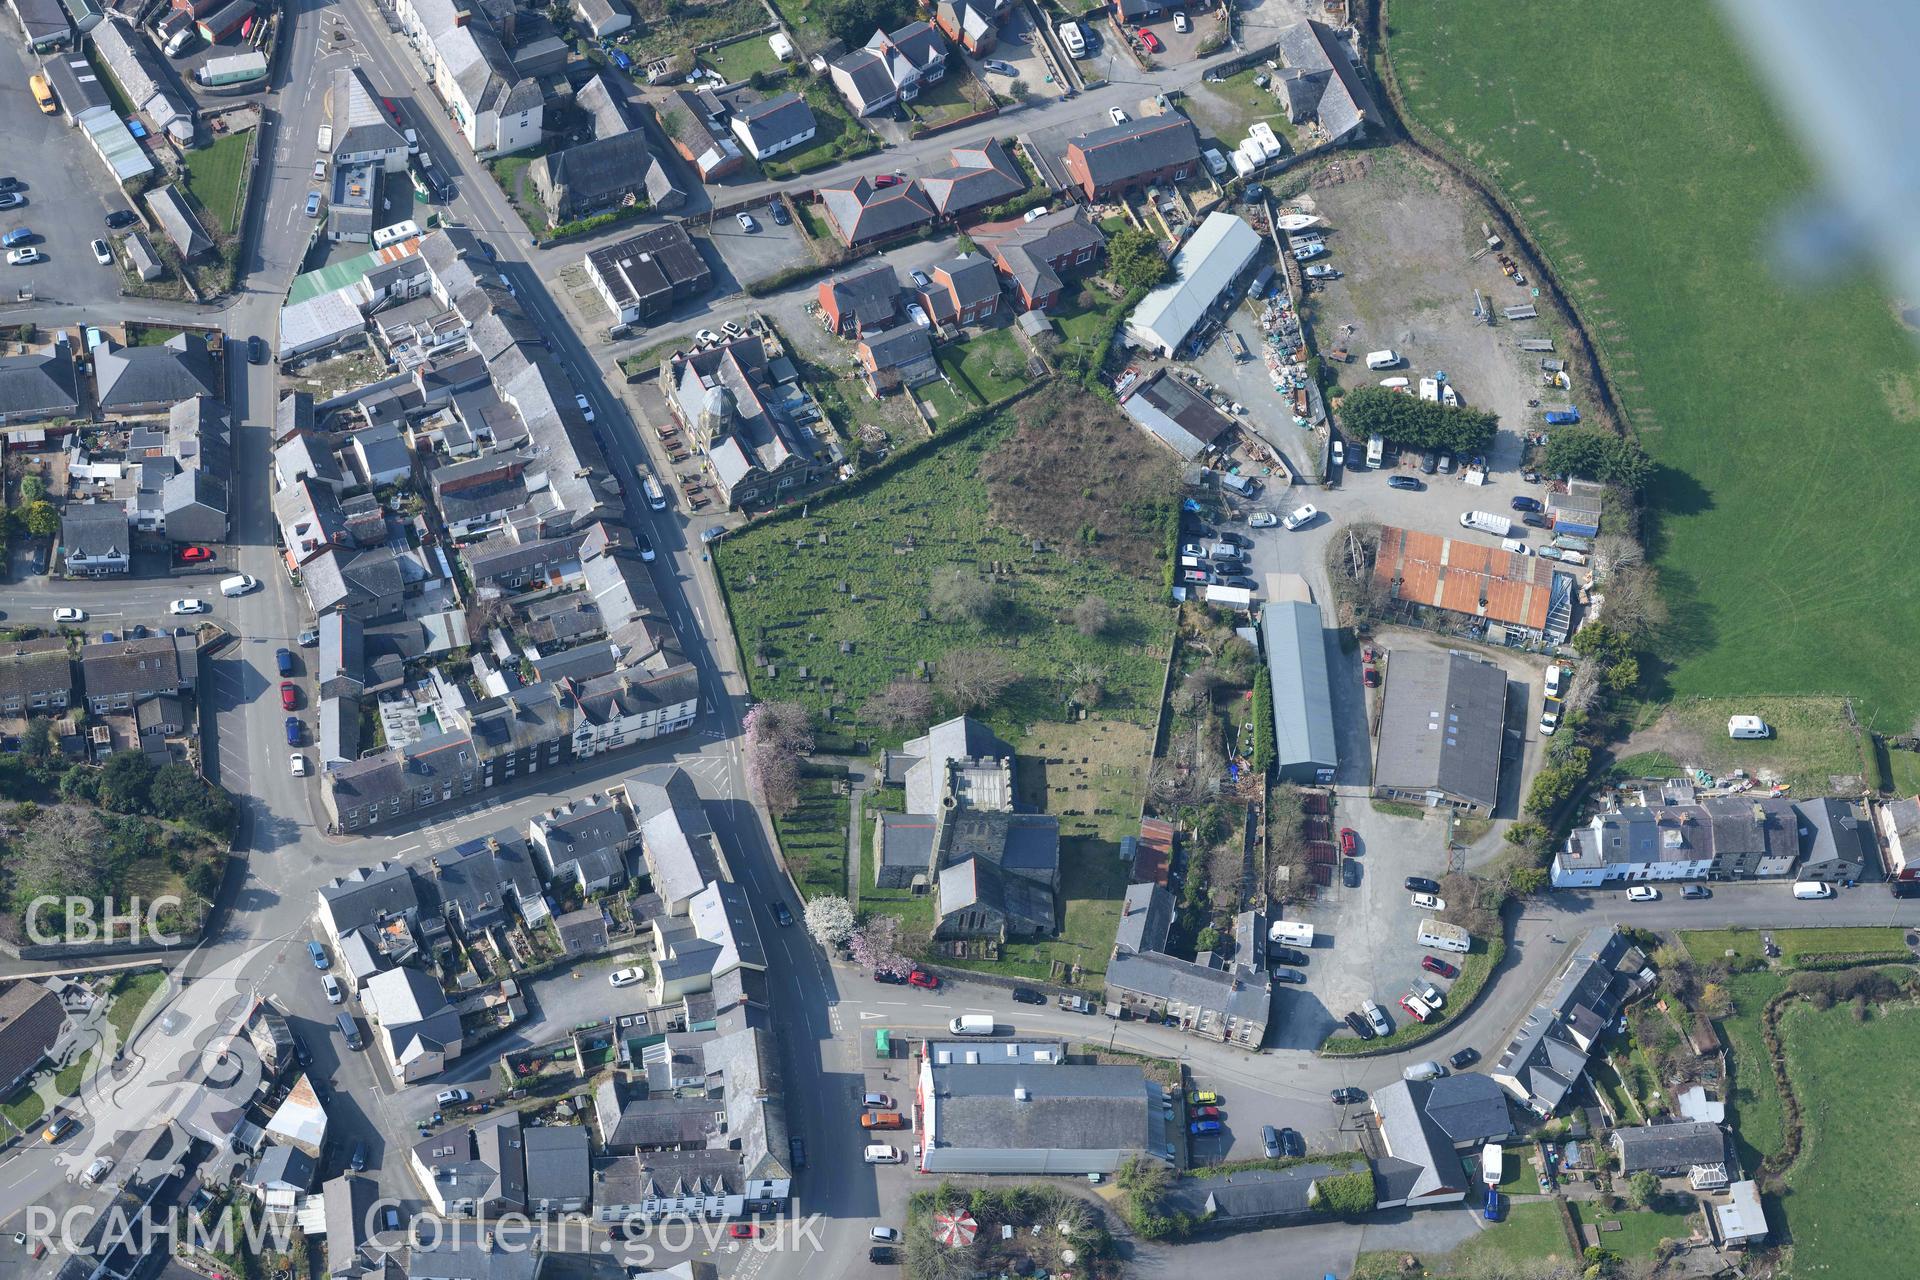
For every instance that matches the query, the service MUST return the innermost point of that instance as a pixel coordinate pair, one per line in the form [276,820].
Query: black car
[782,916]
[1420,884]
[1350,874]
[1243,582]
[1464,1058]
[1534,520]
[9,183]
[121,218]
[1526,504]
[798,1151]
[256,350]
[1291,1143]
[301,1052]
[1239,540]
[880,1253]
[779,214]
[1027,995]
[359,1161]
[1361,1027]
[1696,891]
[1289,975]
[1287,955]
[891,979]
[1347,1095]
[1404,482]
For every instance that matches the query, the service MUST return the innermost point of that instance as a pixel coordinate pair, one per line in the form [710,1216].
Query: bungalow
[867,297]
[776,125]
[892,67]
[1035,255]
[1127,157]
[863,212]
[977,177]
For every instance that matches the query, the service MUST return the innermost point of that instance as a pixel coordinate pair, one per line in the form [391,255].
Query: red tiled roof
[1464,577]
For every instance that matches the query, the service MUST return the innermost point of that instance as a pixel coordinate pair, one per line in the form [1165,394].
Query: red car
[1150,40]
[1370,675]
[921,978]
[289,696]
[887,180]
[1349,842]
[1204,1113]
[194,555]
[1433,964]
[743,1231]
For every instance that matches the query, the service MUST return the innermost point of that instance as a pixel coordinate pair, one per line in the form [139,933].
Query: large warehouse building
[1441,730]
[1305,747]
[1203,269]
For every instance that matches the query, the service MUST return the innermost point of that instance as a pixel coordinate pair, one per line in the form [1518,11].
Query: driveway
[755,255]
[1019,47]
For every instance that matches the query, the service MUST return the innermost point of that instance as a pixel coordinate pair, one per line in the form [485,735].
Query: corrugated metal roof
[1466,577]
[1302,693]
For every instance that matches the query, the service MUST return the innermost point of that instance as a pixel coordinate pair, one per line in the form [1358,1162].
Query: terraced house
[497,107]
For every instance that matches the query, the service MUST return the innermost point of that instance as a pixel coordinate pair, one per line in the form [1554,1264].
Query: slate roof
[95,529]
[349,1201]
[1122,151]
[359,123]
[1248,1196]
[1443,725]
[968,281]
[1026,251]
[869,293]
[976,177]
[711,144]
[39,384]
[898,346]
[1670,1146]
[132,377]
[31,1020]
[1067,1107]
[28,667]
[923,762]
[1469,1108]
[1344,104]
[556,1158]
[867,71]
[178,220]
[368,895]
[1548,1052]
[681,850]
[151,664]
[1837,838]
[861,211]
[1423,1165]
[776,120]
[1237,993]
[598,170]
[1146,917]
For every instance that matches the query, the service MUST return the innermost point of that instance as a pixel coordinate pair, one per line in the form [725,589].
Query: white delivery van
[1486,522]
[1747,727]
[972,1024]
[1382,359]
[1074,39]
[882,1155]
[1812,889]
[1442,936]
[238,585]
[1291,932]
[655,498]
[1376,450]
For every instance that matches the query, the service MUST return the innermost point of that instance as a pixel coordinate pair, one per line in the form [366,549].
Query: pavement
[823,1012]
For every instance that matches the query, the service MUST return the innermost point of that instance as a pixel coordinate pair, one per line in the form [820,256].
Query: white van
[1812,889]
[883,1155]
[1428,1070]
[238,585]
[1382,359]
[972,1024]
[1074,39]
[1747,727]
[1376,450]
[1487,522]
[655,498]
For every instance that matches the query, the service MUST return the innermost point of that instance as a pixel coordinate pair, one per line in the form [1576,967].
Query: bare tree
[62,852]
[1613,552]
[961,595]
[975,678]
[1092,616]
[1634,603]
[1169,785]
[486,613]
[778,734]
[902,703]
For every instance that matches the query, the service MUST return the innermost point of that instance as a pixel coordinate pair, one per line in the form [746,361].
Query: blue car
[1204,1126]
[283,658]
[17,236]
[319,954]
[293,731]
[1563,417]
[622,61]
[1492,1212]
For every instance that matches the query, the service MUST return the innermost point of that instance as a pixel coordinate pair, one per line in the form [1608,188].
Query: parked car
[1696,891]
[1534,520]
[1027,995]
[999,68]
[1204,1113]
[1289,975]
[1429,462]
[1201,1127]
[1403,482]
[1262,520]
[746,222]
[195,555]
[1377,1017]
[1434,964]
[1349,842]
[26,257]
[644,545]
[313,204]
[1270,1139]
[881,1100]
[624,977]
[1370,674]
[707,337]
[1429,902]
[318,954]
[1202,1098]
[921,278]
[892,979]
[293,731]
[1524,503]
[297,765]
[885,1235]
[1415,1007]
[120,218]
[1286,955]
[779,214]
[1420,884]
[289,695]
[797,1150]
[1118,116]
[1563,417]
[68,613]
[447,1097]
[1291,1143]
[585,405]
[743,1231]
[309,638]
[1347,1095]
[331,985]
[1361,1027]
[733,330]
[921,978]
[1463,1059]
[102,254]
[1350,874]
[11,199]
[1300,517]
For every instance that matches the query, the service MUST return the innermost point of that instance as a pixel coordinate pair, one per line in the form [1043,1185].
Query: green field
[1846,1215]
[1709,945]
[213,176]
[1657,208]
[1812,743]
[742,59]
[855,571]
[1759,1126]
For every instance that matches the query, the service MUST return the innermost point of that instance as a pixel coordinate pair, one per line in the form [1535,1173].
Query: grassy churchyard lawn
[1780,554]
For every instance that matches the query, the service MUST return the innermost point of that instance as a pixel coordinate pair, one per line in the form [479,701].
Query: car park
[1347,1095]
[1429,902]
[188,605]
[67,613]
[447,1097]
[624,977]
[1642,893]
[1404,482]
[746,222]
[1420,884]
[1027,995]
[1463,1058]
[1696,891]
[1300,517]
[1434,964]
[297,765]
